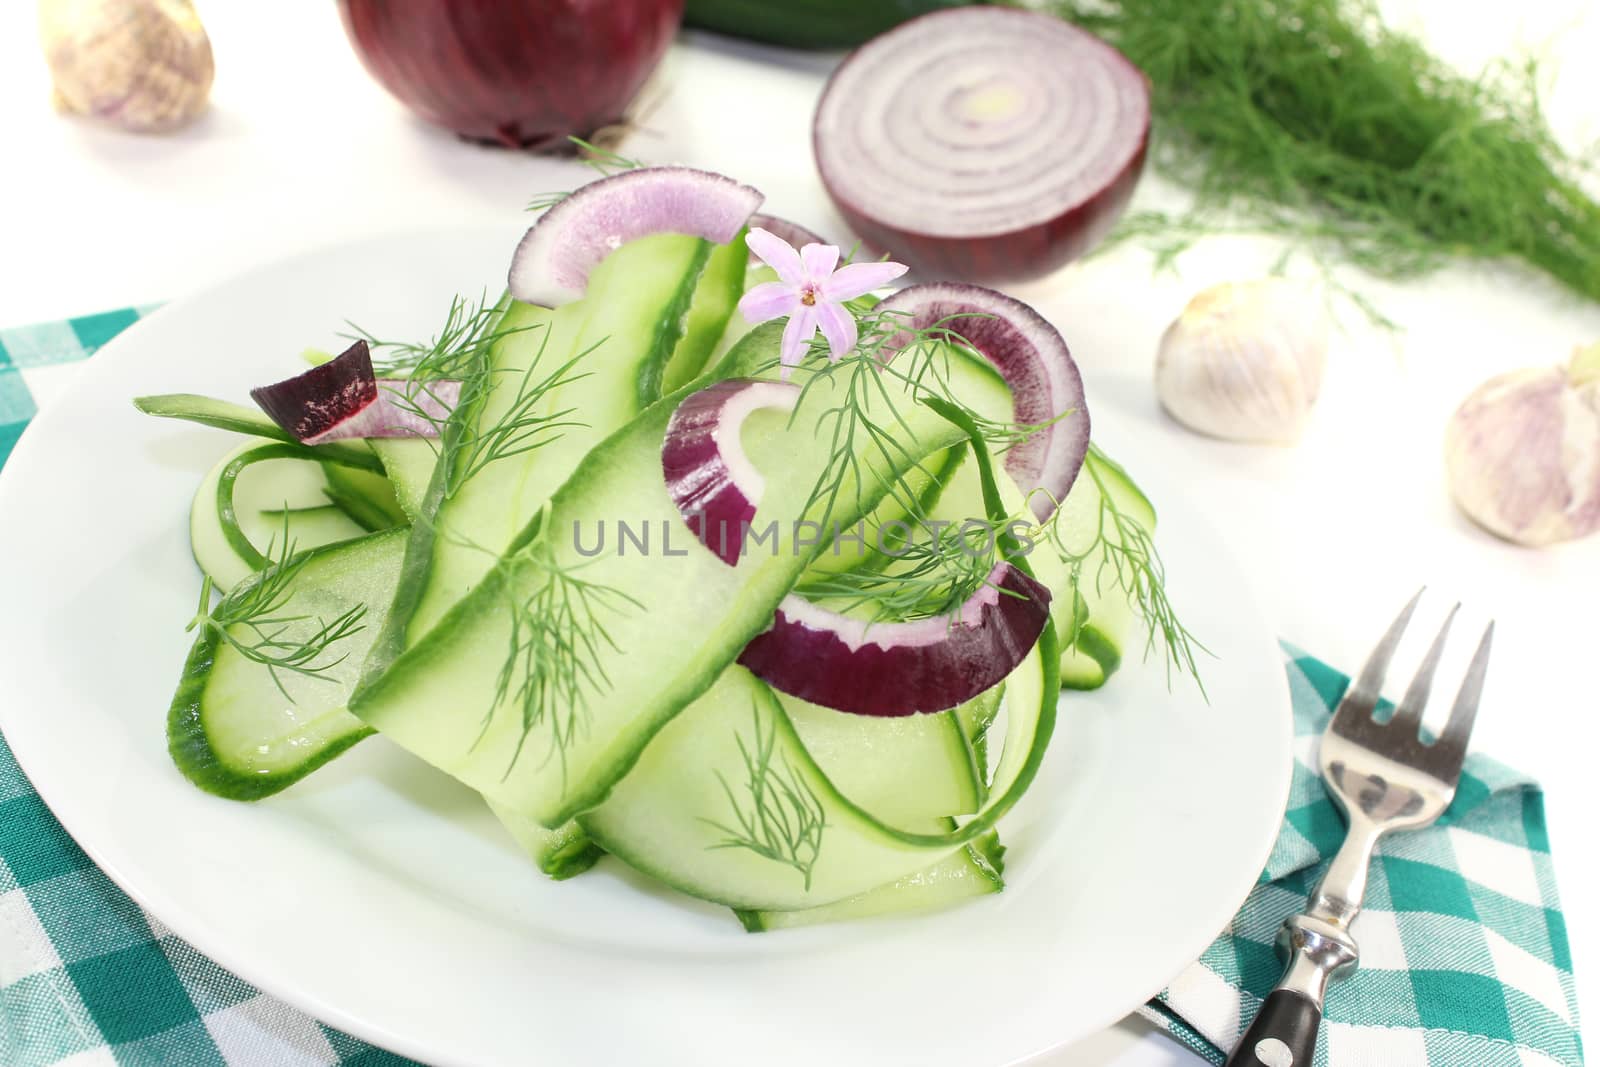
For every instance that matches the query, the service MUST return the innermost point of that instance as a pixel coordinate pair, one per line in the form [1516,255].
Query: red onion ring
[902,668]
[1035,363]
[552,263]
[708,475]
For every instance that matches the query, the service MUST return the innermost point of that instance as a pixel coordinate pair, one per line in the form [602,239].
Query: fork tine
[1465,711]
[1408,716]
[1362,696]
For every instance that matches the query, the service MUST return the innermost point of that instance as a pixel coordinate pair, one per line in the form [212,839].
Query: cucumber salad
[693,550]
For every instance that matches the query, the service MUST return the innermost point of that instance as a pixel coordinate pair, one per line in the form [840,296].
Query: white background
[301,149]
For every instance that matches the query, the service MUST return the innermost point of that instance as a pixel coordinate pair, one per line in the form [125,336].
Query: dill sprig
[1128,561]
[251,620]
[928,576]
[463,351]
[1312,120]
[604,160]
[776,813]
[554,661]
[471,328]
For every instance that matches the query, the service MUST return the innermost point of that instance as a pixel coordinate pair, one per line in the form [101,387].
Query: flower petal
[819,261]
[839,327]
[858,279]
[797,338]
[776,253]
[768,301]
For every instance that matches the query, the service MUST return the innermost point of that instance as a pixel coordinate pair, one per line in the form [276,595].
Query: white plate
[379,896]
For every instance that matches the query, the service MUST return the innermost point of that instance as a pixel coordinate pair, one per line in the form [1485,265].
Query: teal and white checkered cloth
[1464,957]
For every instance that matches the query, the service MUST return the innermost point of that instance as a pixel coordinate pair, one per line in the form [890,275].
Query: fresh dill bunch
[1312,120]
[604,160]
[251,620]
[1127,561]
[557,644]
[775,812]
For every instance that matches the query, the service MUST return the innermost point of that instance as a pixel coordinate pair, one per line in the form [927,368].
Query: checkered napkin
[1464,959]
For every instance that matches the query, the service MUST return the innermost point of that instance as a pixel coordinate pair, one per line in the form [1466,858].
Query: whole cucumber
[808,23]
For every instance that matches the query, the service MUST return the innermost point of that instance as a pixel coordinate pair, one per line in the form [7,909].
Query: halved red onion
[984,143]
[343,399]
[902,668]
[708,474]
[552,263]
[792,232]
[1032,357]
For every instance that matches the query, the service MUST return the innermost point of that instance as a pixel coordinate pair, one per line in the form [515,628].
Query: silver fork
[1385,778]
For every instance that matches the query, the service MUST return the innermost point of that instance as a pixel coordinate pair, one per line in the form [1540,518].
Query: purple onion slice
[552,263]
[983,143]
[343,399]
[902,668]
[1032,357]
[708,474]
[792,232]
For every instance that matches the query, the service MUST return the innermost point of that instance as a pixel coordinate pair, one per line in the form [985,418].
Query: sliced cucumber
[1102,612]
[621,336]
[223,415]
[408,463]
[237,730]
[562,853]
[690,814]
[367,498]
[718,292]
[245,504]
[972,872]
[444,700]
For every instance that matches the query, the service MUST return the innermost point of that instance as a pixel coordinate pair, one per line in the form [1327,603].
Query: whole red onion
[521,73]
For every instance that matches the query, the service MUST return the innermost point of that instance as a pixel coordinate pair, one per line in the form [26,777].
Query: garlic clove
[1522,453]
[1244,361]
[144,65]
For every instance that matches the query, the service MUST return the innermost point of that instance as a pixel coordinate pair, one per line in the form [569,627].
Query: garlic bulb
[1523,452]
[144,65]
[1244,361]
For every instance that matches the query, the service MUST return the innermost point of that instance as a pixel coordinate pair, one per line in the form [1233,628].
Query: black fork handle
[1284,1033]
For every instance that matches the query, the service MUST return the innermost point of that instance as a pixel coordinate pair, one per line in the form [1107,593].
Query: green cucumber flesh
[244,503]
[715,297]
[562,853]
[408,464]
[622,334]
[231,729]
[688,811]
[1092,647]
[958,878]
[369,499]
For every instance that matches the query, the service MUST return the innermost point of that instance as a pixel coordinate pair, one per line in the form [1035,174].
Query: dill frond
[775,812]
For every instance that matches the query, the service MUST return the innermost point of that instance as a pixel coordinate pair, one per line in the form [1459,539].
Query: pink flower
[811,293]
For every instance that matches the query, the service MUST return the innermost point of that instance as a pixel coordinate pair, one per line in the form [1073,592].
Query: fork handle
[1283,1035]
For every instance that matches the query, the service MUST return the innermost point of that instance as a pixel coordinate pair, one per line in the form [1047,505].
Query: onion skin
[938,244]
[517,73]
[906,668]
